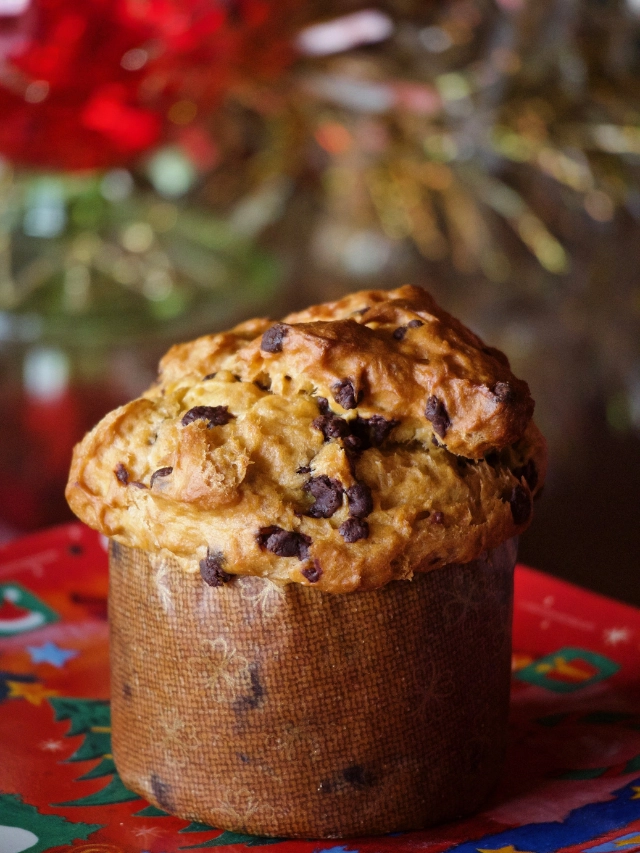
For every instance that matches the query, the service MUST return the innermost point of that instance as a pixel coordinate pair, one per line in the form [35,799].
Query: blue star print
[50,653]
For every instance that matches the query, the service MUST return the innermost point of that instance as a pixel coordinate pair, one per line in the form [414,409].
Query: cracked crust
[255,440]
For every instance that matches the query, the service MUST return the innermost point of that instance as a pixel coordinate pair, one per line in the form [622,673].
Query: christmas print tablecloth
[571,784]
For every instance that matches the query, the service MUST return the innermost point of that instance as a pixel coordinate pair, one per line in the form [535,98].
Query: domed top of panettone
[346,446]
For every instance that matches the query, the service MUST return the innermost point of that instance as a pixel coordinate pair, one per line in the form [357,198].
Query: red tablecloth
[572,781]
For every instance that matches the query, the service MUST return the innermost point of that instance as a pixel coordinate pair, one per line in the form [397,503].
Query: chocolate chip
[262,536]
[352,442]
[212,571]
[520,503]
[323,405]
[435,441]
[380,428]
[161,472]
[331,426]
[360,500]
[437,518]
[313,573]
[352,457]
[530,473]
[503,392]
[208,376]
[284,543]
[353,529]
[401,331]
[344,393]
[121,473]
[436,412]
[273,338]
[372,431]
[303,469]
[215,415]
[137,484]
[328,496]
[359,428]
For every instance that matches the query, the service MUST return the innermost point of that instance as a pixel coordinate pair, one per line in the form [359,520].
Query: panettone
[372,448]
[337,448]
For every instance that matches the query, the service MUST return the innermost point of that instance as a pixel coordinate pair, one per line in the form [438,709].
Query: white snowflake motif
[613,636]
[146,832]
[295,741]
[240,806]
[177,741]
[467,594]
[52,745]
[264,595]
[436,687]
[225,673]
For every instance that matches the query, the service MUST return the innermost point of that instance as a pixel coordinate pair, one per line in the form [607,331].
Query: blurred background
[170,167]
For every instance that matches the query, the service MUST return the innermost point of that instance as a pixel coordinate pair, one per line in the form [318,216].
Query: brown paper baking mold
[291,712]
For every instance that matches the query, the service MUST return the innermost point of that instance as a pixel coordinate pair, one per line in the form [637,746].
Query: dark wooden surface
[587,522]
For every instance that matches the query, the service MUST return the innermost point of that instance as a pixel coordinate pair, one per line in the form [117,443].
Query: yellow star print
[33,693]
[636,792]
[561,666]
[624,842]
[509,849]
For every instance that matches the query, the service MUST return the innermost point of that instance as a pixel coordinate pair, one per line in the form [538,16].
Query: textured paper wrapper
[292,712]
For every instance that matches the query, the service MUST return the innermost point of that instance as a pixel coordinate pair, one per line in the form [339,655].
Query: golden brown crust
[341,448]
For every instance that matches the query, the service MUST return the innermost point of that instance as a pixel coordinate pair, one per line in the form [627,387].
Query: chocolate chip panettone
[336,448]
[372,447]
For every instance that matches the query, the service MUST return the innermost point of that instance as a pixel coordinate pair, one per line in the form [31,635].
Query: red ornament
[94,83]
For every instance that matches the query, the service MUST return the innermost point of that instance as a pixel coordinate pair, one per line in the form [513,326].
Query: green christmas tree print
[23,827]
[224,839]
[91,718]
